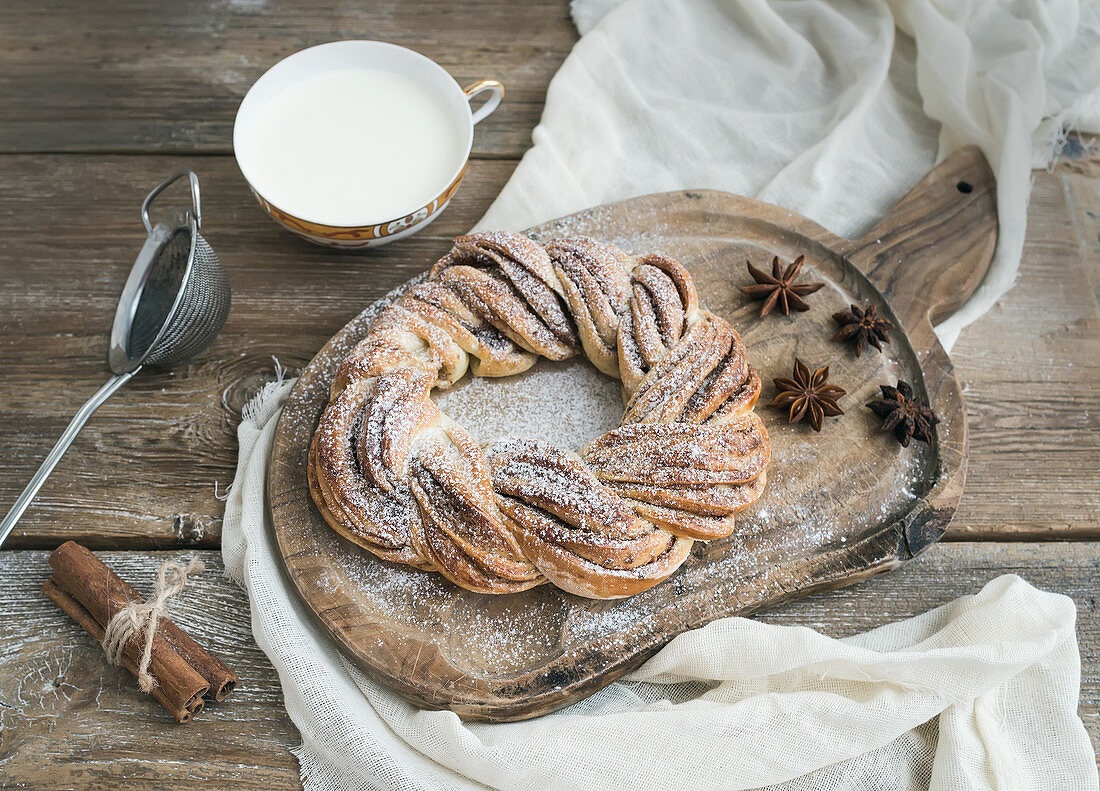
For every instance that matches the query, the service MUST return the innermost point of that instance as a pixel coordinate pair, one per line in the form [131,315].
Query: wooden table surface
[101,101]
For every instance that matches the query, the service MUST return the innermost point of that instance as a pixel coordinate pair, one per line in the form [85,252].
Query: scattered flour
[864,485]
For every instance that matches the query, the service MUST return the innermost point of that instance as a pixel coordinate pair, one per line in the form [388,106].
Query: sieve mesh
[203,307]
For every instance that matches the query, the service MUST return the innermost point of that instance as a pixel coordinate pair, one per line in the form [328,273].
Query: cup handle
[494,88]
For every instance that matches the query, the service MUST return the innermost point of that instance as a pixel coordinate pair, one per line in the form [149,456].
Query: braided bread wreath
[389,471]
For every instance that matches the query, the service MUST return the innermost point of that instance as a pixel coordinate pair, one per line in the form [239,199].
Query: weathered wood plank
[1046,444]
[134,76]
[1030,369]
[169,436]
[68,720]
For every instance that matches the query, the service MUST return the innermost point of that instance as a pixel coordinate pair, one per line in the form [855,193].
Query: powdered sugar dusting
[862,480]
[566,404]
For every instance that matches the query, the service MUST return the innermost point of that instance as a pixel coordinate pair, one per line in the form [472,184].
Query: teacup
[357,143]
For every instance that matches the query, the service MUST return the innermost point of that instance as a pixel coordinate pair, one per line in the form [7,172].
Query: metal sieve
[174,304]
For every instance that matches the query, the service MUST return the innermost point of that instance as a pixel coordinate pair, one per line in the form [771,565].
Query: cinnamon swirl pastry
[395,475]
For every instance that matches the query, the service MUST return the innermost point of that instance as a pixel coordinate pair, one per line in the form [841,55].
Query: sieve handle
[62,445]
[196,200]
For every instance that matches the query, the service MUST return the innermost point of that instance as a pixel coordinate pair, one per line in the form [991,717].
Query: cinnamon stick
[103,593]
[79,613]
[221,679]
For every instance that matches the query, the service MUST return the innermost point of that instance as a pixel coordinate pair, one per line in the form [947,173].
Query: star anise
[779,287]
[862,327]
[905,414]
[808,394]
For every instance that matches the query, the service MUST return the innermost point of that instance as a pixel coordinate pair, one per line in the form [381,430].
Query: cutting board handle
[930,252]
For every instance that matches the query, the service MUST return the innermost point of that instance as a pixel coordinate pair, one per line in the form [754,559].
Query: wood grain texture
[132,76]
[289,296]
[1030,369]
[169,436]
[67,720]
[837,509]
[930,252]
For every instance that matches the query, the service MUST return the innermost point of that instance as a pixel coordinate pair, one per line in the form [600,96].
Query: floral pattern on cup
[360,236]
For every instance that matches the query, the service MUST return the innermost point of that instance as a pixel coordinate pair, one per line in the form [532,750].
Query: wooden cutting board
[840,506]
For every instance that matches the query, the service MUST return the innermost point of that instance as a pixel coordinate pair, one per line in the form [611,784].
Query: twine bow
[140,617]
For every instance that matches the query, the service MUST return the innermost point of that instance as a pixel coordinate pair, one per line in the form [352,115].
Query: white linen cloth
[978,694]
[830,108]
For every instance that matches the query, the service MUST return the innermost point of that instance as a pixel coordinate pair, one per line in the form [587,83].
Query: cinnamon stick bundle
[90,593]
[178,699]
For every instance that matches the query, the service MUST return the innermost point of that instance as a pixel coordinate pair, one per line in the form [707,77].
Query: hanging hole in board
[965,187]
